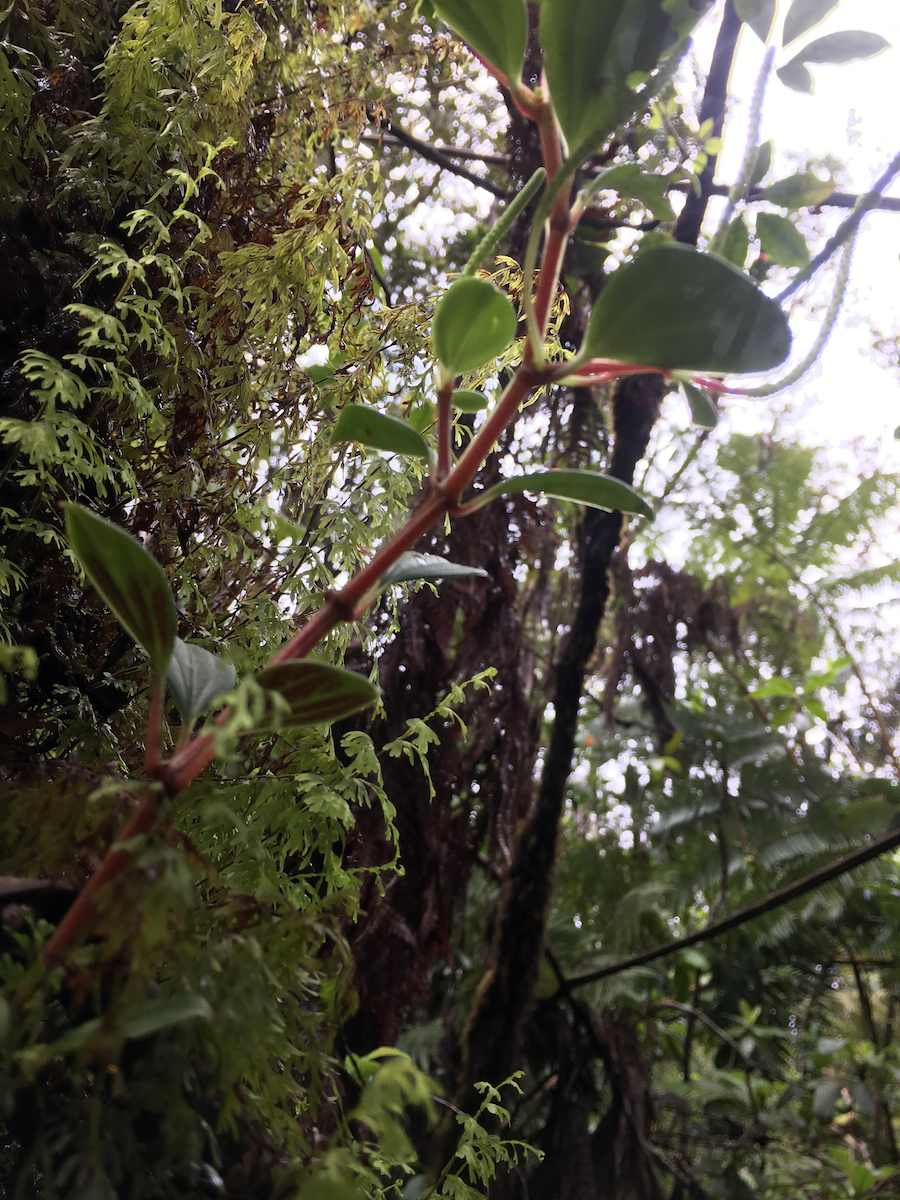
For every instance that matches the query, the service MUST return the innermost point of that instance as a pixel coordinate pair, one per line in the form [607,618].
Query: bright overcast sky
[853,116]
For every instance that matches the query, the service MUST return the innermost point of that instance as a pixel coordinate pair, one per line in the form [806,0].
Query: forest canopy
[440,754]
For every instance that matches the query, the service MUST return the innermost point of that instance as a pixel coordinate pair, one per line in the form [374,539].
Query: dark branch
[388,139]
[439,158]
[877,847]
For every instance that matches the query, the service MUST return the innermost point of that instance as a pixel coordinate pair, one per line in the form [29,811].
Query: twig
[390,139]
[439,158]
[849,862]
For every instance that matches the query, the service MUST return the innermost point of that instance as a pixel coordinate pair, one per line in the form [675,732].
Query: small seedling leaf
[677,309]
[736,242]
[315,692]
[411,566]
[584,487]
[497,31]
[631,182]
[129,579]
[703,411]
[781,240]
[473,323]
[196,677]
[378,431]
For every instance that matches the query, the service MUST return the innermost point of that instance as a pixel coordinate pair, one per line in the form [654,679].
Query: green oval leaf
[803,15]
[129,579]
[703,411]
[631,182]
[469,402]
[315,692]
[803,190]
[473,323]
[411,566]
[196,677]
[847,46]
[758,14]
[736,242]
[594,50]
[369,427]
[763,165]
[781,240]
[677,309]
[497,30]
[158,1014]
[584,487]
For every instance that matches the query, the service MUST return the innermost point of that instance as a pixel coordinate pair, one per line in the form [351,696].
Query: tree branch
[877,847]
[390,139]
[440,159]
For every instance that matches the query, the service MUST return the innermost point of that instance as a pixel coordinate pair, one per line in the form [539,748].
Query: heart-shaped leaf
[847,46]
[758,14]
[803,15]
[593,50]
[798,191]
[584,487]
[473,323]
[411,566]
[378,431]
[315,692]
[781,240]
[196,677]
[129,579]
[703,411]
[497,30]
[677,309]
[469,402]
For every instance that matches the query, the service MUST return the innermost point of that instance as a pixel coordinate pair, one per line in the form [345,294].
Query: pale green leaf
[781,240]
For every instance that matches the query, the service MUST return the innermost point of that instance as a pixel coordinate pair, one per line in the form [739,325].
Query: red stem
[445,418]
[116,861]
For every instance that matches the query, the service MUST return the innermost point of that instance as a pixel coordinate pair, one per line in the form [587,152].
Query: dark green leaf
[470,402]
[196,677]
[677,309]
[473,323]
[825,1097]
[758,14]
[795,76]
[359,423]
[864,1102]
[703,411]
[763,164]
[736,242]
[592,51]
[159,1014]
[803,15]
[798,191]
[497,30]
[315,692]
[629,180]
[847,46]
[584,487]
[411,566]
[129,579]
[781,240]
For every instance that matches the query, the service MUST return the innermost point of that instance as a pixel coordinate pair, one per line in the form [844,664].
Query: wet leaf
[470,402]
[411,566]
[758,14]
[677,309]
[703,411]
[369,427]
[473,323]
[497,30]
[803,15]
[129,579]
[803,190]
[315,692]
[196,677]
[584,487]
[781,240]
[736,242]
